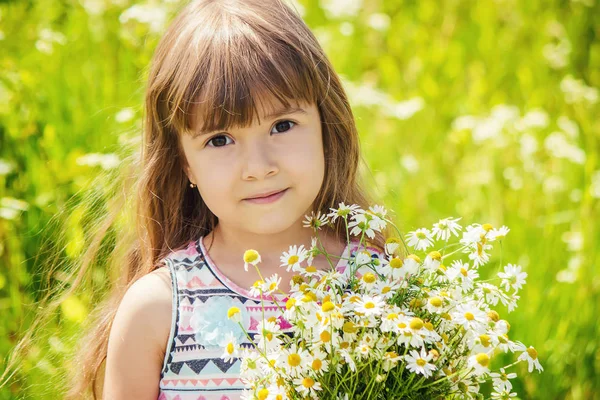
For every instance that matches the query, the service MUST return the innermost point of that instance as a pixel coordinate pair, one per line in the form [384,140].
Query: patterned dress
[192,367]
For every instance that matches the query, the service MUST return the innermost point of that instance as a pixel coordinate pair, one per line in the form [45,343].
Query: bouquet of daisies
[414,324]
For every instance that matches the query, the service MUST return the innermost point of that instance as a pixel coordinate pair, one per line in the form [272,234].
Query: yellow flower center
[392,316]
[487,227]
[401,325]
[325,337]
[349,327]
[416,323]
[369,304]
[494,316]
[463,272]
[435,301]
[469,316]
[532,353]
[251,256]
[393,239]
[294,359]
[386,289]
[308,382]
[369,277]
[435,255]
[317,364]
[290,303]
[483,359]
[421,362]
[311,269]
[429,326]
[232,312]
[293,260]
[391,354]
[485,340]
[446,316]
[263,394]
[230,348]
[328,306]
[396,263]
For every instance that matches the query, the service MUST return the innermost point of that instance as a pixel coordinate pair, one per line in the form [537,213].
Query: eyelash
[276,123]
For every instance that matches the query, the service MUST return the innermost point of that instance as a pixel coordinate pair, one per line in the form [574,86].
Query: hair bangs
[248,71]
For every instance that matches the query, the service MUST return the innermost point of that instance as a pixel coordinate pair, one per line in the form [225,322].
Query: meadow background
[482,109]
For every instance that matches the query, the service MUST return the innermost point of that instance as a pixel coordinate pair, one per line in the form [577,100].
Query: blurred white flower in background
[573,239]
[153,15]
[346,28]
[341,8]
[409,163]
[106,161]
[379,21]
[367,95]
[5,167]
[47,39]
[535,118]
[558,146]
[124,115]
[568,126]
[10,208]
[576,91]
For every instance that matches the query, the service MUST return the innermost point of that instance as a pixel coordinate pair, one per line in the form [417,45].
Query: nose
[259,162]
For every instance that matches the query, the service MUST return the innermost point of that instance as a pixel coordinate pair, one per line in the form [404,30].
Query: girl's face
[284,151]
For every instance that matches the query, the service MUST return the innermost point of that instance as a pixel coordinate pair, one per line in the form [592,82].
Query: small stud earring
[192,185]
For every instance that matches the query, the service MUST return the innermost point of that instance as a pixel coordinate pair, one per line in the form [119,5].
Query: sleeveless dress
[192,367]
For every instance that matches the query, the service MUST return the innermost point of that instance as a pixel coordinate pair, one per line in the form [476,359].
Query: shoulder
[145,312]
[148,301]
[138,337]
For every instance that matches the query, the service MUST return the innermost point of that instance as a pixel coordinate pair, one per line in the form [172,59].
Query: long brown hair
[216,60]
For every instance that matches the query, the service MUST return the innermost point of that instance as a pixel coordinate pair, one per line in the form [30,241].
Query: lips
[266,194]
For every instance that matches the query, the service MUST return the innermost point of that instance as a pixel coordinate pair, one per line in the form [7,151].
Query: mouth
[267,199]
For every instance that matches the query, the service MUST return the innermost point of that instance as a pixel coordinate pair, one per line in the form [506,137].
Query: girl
[247,130]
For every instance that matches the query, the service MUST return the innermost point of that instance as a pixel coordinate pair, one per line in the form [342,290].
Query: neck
[231,243]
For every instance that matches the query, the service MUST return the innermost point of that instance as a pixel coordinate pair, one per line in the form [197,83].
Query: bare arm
[138,338]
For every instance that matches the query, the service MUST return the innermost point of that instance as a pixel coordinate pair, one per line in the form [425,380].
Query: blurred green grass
[486,110]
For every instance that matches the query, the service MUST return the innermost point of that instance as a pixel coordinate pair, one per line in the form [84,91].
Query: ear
[188,172]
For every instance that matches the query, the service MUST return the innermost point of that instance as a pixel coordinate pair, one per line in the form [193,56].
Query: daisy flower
[470,317]
[315,221]
[364,222]
[291,259]
[318,361]
[390,360]
[342,211]
[512,277]
[251,257]
[502,381]
[272,284]
[460,271]
[531,356]
[392,244]
[307,386]
[294,360]
[502,394]
[420,239]
[435,305]
[370,305]
[444,227]
[231,350]
[419,363]
[498,234]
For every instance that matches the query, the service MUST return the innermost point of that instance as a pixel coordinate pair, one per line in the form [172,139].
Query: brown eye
[284,125]
[218,141]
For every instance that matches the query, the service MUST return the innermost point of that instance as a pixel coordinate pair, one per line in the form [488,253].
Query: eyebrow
[274,114]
